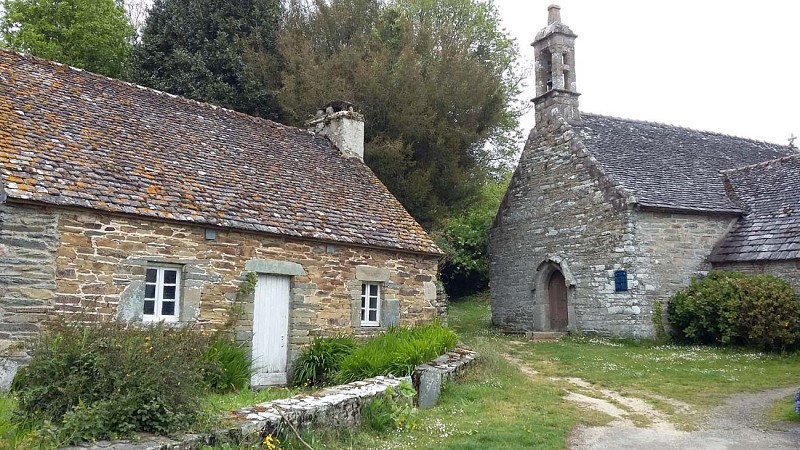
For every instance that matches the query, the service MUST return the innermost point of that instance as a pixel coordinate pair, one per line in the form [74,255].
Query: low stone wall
[337,407]
[340,406]
[429,378]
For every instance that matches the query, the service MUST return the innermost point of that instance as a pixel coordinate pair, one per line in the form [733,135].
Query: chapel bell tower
[555,71]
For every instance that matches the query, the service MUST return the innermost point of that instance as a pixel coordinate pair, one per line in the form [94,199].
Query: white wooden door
[270,330]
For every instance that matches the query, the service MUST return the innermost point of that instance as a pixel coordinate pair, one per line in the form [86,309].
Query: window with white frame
[370,304]
[161,294]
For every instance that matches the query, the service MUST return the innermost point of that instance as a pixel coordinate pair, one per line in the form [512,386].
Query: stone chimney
[556,90]
[343,125]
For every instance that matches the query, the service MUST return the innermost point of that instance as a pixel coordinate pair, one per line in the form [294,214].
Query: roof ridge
[762,164]
[681,127]
[207,105]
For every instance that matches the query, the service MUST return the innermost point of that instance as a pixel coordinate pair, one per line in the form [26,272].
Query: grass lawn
[495,405]
[783,411]
[221,403]
[699,376]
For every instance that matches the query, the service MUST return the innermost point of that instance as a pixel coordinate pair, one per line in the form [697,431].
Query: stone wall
[28,243]
[788,270]
[677,246]
[561,212]
[100,261]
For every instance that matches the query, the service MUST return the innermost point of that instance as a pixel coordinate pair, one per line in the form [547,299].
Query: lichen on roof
[73,138]
[671,167]
[770,229]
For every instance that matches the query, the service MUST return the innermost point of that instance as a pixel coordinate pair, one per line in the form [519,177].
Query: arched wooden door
[557,292]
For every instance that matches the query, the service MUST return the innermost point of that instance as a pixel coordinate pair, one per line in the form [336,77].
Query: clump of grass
[229,366]
[317,363]
[397,352]
[471,316]
[783,411]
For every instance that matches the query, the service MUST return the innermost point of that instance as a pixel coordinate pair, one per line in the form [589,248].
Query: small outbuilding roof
[770,229]
[73,138]
[669,167]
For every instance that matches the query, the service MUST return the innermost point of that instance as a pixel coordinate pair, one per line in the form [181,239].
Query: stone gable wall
[562,212]
[788,270]
[560,208]
[28,243]
[100,262]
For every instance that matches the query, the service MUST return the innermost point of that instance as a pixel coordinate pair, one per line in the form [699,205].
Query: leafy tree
[436,80]
[465,240]
[92,34]
[220,51]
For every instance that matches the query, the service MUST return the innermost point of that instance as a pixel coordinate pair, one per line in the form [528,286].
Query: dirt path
[737,424]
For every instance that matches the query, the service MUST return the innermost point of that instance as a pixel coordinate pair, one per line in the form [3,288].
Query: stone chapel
[606,217]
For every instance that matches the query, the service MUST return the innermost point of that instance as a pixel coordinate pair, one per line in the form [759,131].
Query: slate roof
[770,230]
[72,138]
[665,166]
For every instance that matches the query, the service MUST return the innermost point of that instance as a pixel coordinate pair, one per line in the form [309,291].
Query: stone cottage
[119,201]
[605,216]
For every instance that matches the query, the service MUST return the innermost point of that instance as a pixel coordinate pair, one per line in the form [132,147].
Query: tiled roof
[771,228]
[665,166]
[68,137]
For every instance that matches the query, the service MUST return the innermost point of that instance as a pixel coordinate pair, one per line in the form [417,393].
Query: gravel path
[738,424]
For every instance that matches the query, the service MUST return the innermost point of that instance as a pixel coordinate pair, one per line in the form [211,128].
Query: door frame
[280,377]
[550,300]
[541,294]
[272,267]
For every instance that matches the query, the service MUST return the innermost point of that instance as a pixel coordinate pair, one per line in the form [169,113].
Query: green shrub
[464,239]
[729,308]
[397,352]
[317,363]
[394,410]
[104,380]
[229,366]
[659,330]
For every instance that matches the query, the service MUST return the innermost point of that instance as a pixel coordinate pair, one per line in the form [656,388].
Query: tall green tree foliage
[436,80]
[220,51]
[91,34]
[464,238]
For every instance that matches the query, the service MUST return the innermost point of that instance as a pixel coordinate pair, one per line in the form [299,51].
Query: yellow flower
[271,442]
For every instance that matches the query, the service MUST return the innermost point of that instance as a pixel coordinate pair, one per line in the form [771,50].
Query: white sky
[727,66]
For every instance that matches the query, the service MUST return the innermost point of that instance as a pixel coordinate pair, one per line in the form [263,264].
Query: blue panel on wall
[620,280]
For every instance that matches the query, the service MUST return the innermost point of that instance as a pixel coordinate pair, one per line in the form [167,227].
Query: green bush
[464,239]
[104,380]
[317,363]
[397,352]
[729,308]
[229,366]
[394,410]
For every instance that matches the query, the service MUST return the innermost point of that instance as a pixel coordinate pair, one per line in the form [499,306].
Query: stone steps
[545,335]
[537,335]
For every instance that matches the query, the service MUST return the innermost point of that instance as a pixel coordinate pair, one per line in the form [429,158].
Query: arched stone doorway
[552,294]
[557,301]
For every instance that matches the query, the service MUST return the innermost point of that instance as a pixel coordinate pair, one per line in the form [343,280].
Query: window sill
[370,328]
